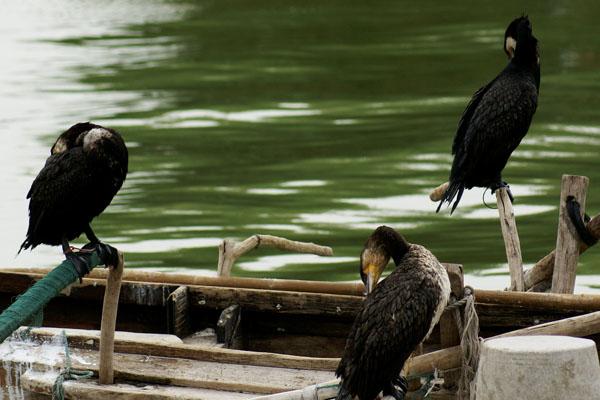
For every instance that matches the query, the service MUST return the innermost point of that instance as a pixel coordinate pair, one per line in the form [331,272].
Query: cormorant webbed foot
[108,254]
[397,388]
[503,185]
[81,261]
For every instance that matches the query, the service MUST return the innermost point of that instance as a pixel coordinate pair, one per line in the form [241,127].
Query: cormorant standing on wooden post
[86,168]
[497,118]
[395,317]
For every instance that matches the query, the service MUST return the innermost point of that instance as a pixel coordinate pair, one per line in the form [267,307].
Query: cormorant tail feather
[455,189]
[343,394]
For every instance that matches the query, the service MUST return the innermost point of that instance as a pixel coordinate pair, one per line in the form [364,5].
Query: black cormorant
[497,117]
[86,168]
[396,316]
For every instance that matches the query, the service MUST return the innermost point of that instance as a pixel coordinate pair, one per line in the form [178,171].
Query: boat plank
[159,348]
[89,389]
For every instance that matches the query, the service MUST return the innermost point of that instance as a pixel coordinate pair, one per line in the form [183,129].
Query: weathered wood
[542,270]
[228,327]
[438,193]
[203,374]
[582,325]
[275,301]
[449,334]
[567,240]
[547,301]
[89,389]
[511,239]
[193,352]
[17,278]
[310,345]
[178,313]
[109,321]
[171,278]
[229,250]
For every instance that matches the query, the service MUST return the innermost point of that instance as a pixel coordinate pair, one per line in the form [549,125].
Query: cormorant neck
[396,246]
[526,52]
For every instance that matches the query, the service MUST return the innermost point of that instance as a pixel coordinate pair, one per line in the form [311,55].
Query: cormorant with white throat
[497,117]
[86,168]
[396,316]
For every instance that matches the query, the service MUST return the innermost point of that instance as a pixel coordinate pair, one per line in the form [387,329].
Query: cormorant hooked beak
[510,45]
[383,244]
[372,264]
[370,276]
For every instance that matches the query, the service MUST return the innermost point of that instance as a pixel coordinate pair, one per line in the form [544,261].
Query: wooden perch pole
[230,250]
[511,239]
[542,270]
[109,321]
[567,240]
[437,193]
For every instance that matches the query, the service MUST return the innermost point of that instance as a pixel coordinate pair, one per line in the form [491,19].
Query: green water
[317,121]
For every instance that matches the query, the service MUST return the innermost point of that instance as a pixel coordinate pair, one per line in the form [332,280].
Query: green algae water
[316,121]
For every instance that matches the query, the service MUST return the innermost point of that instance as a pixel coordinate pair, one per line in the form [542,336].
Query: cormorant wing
[502,119]
[62,183]
[463,124]
[392,322]
[497,125]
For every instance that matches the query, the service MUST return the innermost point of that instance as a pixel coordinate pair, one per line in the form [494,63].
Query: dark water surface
[311,120]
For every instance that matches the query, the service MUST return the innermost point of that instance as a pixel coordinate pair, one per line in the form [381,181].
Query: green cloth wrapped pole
[33,300]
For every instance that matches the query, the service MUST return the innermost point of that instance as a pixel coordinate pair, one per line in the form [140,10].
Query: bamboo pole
[229,250]
[511,239]
[542,301]
[542,270]
[567,240]
[438,193]
[109,321]
[172,278]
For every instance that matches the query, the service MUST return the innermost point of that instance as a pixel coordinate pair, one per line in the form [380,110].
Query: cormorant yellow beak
[373,273]
[511,46]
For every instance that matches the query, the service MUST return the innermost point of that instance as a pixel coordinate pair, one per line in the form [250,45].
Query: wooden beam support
[109,321]
[542,270]
[567,240]
[160,348]
[511,239]
[228,327]
[178,313]
[449,334]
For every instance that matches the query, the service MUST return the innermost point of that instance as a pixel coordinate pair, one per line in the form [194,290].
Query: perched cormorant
[497,117]
[86,168]
[396,316]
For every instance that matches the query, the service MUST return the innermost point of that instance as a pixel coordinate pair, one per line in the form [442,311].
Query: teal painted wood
[33,300]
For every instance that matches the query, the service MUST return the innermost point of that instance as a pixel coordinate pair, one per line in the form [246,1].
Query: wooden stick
[229,250]
[287,285]
[541,301]
[543,269]
[511,239]
[438,193]
[171,278]
[580,326]
[567,240]
[109,321]
[163,346]
[583,325]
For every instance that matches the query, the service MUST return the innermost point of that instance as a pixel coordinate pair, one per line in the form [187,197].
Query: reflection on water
[316,121]
[270,263]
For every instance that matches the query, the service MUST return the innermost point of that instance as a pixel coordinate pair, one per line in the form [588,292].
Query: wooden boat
[239,338]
